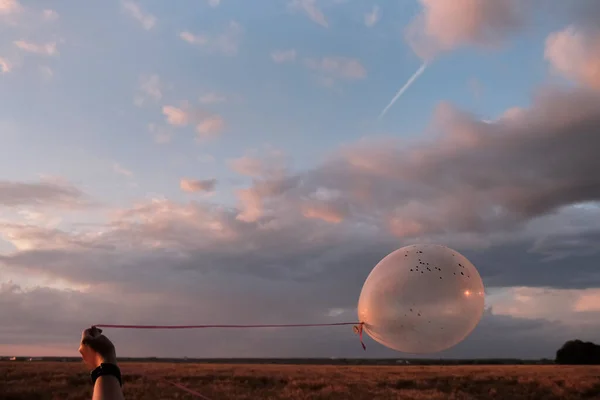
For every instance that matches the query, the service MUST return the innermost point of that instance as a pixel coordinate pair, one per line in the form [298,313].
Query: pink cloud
[226,42]
[570,306]
[10,7]
[207,124]
[249,166]
[310,8]
[466,177]
[147,20]
[250,204]
[575,53]
[176,116]
[273,164]
[210,127]
[327,212]
[448,24]
[48,49]
[196,185]
[5,66]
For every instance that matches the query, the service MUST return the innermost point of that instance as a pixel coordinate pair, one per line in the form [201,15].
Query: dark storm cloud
[468,177]
[338,261]
[477,176]
[130,289]
[520,265]
[562,246]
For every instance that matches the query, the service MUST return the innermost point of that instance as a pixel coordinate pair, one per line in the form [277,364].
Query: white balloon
[421,299]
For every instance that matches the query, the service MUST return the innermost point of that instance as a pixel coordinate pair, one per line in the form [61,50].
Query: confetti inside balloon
[421,299]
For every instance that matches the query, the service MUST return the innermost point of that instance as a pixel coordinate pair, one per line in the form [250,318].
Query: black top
[106,369]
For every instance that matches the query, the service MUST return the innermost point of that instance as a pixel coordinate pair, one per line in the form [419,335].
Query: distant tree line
[577,352]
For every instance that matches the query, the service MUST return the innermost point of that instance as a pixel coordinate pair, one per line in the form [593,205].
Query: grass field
[67,381]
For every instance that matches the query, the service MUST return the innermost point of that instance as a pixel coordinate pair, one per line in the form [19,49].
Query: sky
[227,162]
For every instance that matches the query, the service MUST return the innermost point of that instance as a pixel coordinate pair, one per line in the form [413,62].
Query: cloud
[469,178]
[445,25]
[47,49]
[193,39]
[214,3]
[282,56]
[560,120]
[212,98]
[5,66]
[575,53]
[178,263]
[176,116]
[371,18]
[38,218]
[23,309]
[273,164]
[338,67]
[326,205]
[249,166]
[470,184]
[207,124]
[578,307]
[568,243]
[8,7]
[323,211]
[282,247]
[173,235]
[251,205]
[150,89]
[50,15]
[310,8]
[226,43]
[194,185]
[119,169]
[255,202]
[210,126]
[508,193]
[534,338]
[45,193]
[32,237]
[205,266]
[147,20]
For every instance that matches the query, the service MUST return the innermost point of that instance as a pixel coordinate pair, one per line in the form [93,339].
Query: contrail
[403,88]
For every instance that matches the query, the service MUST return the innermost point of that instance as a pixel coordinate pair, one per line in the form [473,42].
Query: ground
[69,380]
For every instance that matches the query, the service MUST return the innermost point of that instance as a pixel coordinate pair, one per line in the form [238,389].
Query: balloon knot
[358,329]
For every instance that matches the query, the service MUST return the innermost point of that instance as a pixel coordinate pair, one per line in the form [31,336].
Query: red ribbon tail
[359,330]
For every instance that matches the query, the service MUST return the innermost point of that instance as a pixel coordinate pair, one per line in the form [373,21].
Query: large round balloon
[421,299]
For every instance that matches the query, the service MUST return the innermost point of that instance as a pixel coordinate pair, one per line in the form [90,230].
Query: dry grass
[47,380]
